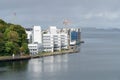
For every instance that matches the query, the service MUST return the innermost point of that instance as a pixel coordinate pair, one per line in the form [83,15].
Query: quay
[15,58]
[18,58]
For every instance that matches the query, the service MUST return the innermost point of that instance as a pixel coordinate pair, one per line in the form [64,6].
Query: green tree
[2,28]
[9,46]
[13,39]
[12,36]
[2,43]
[2,22]
[24,48]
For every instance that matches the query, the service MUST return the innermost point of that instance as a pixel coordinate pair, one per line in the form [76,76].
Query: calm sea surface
[98,59]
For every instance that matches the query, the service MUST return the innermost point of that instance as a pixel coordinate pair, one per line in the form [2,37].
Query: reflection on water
[13,70]
[48,64]
[13,66]
[55,63]
[33,69]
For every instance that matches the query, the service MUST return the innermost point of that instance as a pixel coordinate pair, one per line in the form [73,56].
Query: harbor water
[98,59]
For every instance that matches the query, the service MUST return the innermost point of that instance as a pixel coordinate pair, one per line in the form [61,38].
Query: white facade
[35,48]
[55,40]
[29,34]
[48,43]
[49,40]
[35,40]
[52,30]
[36,35]
[64,41]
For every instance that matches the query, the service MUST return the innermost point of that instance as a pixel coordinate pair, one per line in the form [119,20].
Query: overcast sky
[81,13]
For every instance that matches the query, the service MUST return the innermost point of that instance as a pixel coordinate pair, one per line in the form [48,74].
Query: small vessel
[82,42]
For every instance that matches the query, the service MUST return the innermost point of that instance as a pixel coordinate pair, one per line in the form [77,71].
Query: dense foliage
[12,39]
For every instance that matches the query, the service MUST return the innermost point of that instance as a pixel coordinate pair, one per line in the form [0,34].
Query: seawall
[18,58]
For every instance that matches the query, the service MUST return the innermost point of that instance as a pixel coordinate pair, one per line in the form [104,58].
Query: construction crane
[66,22]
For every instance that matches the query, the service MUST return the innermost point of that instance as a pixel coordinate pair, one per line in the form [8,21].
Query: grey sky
[83,13]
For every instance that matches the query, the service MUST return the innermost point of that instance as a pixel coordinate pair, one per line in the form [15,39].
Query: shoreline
[21,58]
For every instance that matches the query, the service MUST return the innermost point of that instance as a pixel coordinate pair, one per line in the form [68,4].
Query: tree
[9,46]
[13,39]
[2,28]
[2,22]
[24,48]
[2,43]
[12,36]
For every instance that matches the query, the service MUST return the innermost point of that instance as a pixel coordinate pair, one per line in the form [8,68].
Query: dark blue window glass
[74,35]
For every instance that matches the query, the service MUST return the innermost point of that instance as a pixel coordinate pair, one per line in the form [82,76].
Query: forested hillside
[12,39]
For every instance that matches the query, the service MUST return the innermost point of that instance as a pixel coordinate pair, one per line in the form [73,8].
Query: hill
[13,39]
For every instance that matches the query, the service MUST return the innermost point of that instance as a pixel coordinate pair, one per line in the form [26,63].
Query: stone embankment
[17,58]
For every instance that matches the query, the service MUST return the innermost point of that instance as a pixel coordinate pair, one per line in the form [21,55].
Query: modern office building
[35,40]
[75,36]
[55,40]
[36,35]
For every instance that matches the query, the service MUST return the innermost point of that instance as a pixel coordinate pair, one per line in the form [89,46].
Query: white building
[55,39]
[36,34]
[29,34]
[35,40]
[52,30]
[64,41]
[47,43]
[35,48]
[50,40]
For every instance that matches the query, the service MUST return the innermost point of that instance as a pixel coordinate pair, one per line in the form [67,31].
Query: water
[99,59]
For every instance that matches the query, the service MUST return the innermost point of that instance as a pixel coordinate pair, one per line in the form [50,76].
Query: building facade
[75,36]
[47,42]
[29,34]
[35,40]
[55,40]
[35,48]
[52,39]
[36,35]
